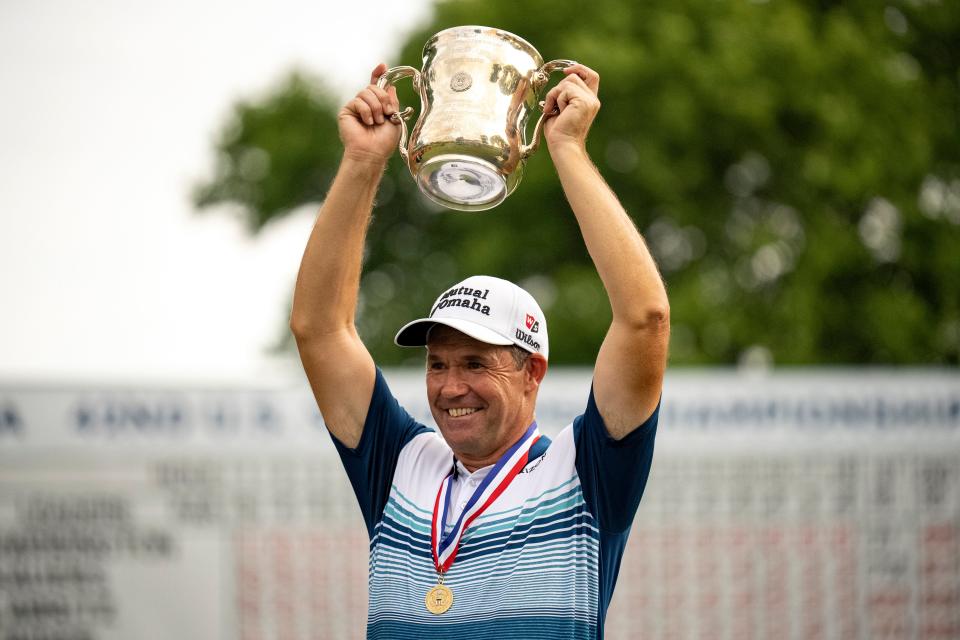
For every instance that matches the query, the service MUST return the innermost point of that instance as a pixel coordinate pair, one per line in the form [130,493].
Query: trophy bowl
[478,87]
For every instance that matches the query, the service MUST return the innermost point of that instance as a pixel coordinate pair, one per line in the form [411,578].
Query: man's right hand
[364,122]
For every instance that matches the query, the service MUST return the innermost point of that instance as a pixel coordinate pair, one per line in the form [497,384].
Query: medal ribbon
[444,548]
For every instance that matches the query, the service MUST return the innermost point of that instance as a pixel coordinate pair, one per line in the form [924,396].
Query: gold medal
[439,599]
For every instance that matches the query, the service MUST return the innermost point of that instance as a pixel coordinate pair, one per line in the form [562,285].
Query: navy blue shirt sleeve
[613,473]
[370,467]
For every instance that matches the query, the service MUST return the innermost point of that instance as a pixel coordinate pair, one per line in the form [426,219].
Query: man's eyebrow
[470,355]
[484,356]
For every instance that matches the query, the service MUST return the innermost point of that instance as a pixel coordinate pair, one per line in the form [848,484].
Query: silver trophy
[478,87]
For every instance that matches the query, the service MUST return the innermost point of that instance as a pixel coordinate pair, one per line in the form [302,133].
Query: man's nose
[453,384]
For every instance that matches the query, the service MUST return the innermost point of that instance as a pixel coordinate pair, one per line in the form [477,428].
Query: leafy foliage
[794,167]
[276,155]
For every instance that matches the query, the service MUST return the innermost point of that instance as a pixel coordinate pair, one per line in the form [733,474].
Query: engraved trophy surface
[478,87]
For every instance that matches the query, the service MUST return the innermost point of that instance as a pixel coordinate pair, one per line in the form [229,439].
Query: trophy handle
[540,77]
[389,77]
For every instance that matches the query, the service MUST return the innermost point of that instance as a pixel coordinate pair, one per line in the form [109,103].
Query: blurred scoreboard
[803,504]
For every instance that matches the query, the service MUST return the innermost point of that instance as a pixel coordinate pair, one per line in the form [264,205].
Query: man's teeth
[456,413]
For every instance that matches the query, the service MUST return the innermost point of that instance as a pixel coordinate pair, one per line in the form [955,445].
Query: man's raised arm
[629,372]
[338,365]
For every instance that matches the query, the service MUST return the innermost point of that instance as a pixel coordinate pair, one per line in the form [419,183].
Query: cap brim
[414,334]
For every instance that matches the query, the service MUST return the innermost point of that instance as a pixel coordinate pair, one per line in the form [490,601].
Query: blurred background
[794,167]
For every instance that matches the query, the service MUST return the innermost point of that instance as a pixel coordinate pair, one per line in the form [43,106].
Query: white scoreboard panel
[805,504]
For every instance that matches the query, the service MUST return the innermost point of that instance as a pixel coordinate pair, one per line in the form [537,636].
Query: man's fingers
[557,100]
[362,109]
[388,97]
[590,78]
[583,71]
[394,101]
[378,71]
[373,104]
[386,101]
[575,83]
[550,101]
[370,97]
[560,96]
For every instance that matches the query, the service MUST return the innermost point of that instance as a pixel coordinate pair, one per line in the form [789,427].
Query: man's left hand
[575,104]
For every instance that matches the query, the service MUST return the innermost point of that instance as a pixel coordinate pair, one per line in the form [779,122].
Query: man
[489,531]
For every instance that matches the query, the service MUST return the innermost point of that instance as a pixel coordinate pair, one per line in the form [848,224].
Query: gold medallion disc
[439,599]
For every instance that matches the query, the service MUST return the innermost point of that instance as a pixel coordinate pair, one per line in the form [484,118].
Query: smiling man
[481,393]
[487,529]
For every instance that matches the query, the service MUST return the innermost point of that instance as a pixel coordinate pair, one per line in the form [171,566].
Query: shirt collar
[464,474]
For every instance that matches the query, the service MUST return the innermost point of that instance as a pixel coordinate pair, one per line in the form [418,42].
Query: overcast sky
[107,113]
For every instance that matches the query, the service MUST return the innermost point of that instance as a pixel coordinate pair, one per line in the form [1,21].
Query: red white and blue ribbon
[445,547]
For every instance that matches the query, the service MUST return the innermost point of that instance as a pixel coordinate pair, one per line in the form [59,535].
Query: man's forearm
[325,298]
[629,274]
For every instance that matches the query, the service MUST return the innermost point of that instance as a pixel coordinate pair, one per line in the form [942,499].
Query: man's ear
[536,369]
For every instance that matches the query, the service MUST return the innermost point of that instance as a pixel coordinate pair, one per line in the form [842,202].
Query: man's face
[478,397]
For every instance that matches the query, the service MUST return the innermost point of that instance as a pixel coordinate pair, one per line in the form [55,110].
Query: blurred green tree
[794,166]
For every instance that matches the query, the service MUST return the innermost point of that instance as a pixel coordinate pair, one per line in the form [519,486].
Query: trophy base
[463,183]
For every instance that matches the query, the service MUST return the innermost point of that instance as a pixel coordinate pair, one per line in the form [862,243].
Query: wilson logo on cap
[532,324]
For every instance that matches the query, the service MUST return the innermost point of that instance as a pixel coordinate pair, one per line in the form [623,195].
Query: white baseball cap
[489,309]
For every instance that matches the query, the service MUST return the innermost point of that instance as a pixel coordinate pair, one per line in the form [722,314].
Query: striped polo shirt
[540,562]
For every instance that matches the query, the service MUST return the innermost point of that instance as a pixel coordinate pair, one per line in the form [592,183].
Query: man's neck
[472,464]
